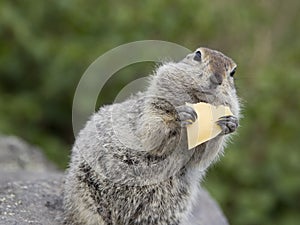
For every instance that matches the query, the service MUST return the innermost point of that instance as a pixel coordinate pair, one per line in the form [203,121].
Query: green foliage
[45,46]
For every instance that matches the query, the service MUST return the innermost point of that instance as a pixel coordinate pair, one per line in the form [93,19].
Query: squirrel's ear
[198,56]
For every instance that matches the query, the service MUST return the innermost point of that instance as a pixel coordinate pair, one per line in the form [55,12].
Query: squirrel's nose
[216,79]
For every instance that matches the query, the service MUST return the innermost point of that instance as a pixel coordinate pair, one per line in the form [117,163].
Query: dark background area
[45,47]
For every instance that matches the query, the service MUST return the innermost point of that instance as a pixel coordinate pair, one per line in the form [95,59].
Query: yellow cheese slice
[205,127]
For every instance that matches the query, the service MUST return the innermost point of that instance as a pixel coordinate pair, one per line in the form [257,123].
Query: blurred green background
[45,46]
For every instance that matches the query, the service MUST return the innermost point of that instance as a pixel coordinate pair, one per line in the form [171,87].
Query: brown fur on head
[220,65]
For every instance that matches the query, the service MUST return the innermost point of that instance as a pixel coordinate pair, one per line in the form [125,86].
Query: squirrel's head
[203,76]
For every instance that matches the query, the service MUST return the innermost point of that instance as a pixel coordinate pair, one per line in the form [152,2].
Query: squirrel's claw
[187,115]
[228,124]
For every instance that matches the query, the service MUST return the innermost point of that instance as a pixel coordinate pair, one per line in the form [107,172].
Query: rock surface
[31,189]
[37,201]
[17,155]
[30,186]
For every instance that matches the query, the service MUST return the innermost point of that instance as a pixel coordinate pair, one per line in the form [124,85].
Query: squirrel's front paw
[187,115]
[228,124]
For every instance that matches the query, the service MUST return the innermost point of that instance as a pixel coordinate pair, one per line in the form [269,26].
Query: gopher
[131,164]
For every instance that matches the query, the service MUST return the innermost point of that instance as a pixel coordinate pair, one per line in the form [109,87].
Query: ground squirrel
[131,165]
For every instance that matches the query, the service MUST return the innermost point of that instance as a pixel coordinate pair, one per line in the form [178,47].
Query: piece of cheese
[205,127]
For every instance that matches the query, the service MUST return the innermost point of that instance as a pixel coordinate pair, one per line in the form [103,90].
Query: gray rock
[31,189]
[37,201]
[30,186]
[207,211]
[15,154]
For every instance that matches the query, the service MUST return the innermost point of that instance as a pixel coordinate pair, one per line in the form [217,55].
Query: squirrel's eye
[197,56]
[232,72]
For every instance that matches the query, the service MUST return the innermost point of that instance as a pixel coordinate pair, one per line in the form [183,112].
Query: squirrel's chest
[166,203]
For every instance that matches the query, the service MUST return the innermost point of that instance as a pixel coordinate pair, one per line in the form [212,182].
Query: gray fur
[130,164]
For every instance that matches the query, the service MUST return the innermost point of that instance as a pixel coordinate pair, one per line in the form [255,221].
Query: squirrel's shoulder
[111,122]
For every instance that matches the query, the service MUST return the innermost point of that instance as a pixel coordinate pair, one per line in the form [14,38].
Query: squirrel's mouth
[209,96]
[201,95]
